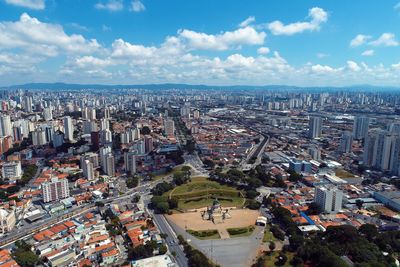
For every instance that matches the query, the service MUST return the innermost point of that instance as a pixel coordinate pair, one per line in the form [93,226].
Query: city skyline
[257,43]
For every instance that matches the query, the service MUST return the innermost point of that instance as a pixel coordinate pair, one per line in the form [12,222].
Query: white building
[11,170]
[55,190]
[360,127]
[68,129]
[48,114]
[5,125]
[109,164]
[88,170]
[328,198]
[130,162]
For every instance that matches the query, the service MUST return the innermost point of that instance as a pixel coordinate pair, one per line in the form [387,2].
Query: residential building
[55,189]
[328,198]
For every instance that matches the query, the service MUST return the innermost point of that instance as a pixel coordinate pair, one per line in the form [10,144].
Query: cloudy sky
[224,42]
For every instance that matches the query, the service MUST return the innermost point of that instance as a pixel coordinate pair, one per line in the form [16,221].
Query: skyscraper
[130,162]
[314,127]
[169,127]
[346,142]
[68,129]
[5,125]
[360,128]
[87,168]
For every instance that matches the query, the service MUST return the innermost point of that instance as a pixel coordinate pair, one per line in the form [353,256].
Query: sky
[224,42]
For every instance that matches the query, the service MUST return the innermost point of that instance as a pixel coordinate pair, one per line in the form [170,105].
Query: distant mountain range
[66,86]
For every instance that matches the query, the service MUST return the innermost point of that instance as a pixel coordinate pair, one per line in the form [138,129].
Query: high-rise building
[103,152]
[328,198]
[39,137]
[130,162]
[12,170]
[107,113]
[87,168]
[360,127]
[48,114]
[58,139]
[169,127]
[68,128]
[109,164]
[55,189]
[27,103]
[196,114]
[105,136]
[315,127]
[346,142]
[104,124]
[148,143]
[5,125]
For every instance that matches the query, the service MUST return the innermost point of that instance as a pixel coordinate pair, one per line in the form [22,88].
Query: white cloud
[360,39]
[368,53]
[322,55]
[222,41]
[105,28]
[322,69]
[317,16]
[38,37]
[137,6]
[386,39]
[247,22]
[110,5]
[263,50]
[353,66]
[32,4]
[397,6]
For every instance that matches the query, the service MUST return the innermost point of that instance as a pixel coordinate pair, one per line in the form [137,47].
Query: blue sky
[307,43]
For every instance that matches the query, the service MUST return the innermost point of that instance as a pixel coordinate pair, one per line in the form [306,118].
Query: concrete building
[109,164]
[169,127]
[87,168]
[5,125]
[346,142]
[68,129]
[360,127]
[315,127]
[328,198]
[130,162]
[12,170]
[39,137]
[55,190]
[48,114]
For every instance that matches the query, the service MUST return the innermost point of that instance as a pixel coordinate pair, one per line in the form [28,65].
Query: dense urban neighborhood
[199,177]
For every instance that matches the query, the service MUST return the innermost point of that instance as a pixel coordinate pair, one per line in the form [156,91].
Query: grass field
[242,231]
[268,236]
[201,192]
[205,234]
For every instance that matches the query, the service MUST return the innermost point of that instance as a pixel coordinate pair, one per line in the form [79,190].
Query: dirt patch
[193,221]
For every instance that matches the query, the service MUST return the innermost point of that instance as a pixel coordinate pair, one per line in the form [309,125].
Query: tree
[272,246]
[145,130]
[162,249]
[132,182]
[173,202]
[23,254]
[313,209]
[369,231]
